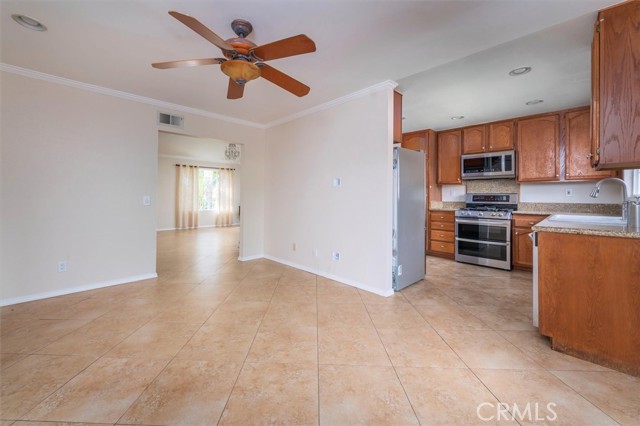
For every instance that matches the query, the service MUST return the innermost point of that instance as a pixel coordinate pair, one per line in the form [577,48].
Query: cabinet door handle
[532,223]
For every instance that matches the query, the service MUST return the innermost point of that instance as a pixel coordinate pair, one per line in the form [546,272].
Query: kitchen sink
[591,219]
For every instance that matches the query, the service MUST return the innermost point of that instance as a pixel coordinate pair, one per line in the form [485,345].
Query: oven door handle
[502,223]
[484,242]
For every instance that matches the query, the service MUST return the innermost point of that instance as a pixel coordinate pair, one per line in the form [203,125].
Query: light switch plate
[146,200]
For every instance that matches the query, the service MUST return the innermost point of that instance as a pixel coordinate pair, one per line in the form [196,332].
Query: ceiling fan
[243,60]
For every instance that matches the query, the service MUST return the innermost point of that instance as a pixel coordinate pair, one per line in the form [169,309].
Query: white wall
[351,141]
[75,166]
[178,149]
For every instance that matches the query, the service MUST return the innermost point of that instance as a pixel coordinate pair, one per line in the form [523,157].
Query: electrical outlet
[293,247]
[335,256]
[146,200]
[315,252]
[569,192]
[62,266]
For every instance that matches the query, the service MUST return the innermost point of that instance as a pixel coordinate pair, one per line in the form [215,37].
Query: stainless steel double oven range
[483,230]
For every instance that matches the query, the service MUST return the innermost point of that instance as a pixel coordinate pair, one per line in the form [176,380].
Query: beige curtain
[187,204]
[224,214]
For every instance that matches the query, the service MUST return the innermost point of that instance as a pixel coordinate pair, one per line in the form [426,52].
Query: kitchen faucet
[626,196]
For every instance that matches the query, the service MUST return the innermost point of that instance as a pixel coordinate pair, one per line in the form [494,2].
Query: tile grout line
[462,360]
[390,361]
[244,362]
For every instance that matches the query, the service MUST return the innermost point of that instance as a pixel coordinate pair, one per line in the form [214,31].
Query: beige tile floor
[217,341]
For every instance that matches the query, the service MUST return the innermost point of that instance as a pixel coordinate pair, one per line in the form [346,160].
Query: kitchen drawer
[441,216]
[442,247]
[444,236]
[526,220]
[441,226]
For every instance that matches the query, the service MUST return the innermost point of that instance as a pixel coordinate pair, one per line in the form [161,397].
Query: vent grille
[170,120]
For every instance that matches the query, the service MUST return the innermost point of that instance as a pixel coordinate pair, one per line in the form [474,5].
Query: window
[208,188]
[632,178]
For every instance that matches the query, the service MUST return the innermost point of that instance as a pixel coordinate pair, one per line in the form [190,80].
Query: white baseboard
[247,258]
[64,291]
[342,280]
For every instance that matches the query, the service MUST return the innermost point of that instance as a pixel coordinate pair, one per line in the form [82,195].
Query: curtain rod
[205,167]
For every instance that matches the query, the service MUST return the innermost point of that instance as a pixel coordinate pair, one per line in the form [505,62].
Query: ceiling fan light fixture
[28,22]
[240,71]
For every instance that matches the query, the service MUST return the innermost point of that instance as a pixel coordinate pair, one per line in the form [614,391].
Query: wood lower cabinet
[441,234]
[538,145]
[577,139]
[616,87]
[521,244]
[449,151]
[589,294]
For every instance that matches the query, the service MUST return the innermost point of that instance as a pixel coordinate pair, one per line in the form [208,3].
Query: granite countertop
[567,227]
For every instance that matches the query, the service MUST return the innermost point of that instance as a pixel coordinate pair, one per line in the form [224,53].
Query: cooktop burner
[489,206]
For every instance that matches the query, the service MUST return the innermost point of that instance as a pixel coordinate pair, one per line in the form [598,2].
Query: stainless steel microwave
[490,165]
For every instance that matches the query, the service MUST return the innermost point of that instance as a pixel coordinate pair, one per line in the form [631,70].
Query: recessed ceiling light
[28,22]
[457,117]
[534,102]
[519,71]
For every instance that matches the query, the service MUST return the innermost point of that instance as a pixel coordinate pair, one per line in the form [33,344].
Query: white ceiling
[449,57]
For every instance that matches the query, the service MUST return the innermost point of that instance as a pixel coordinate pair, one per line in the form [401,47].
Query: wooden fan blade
[281,79]
[235,90]
[201,29]
[188,63]
[296,45]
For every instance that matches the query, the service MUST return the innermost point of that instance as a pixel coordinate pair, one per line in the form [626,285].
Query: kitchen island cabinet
[589,294]
[615,87]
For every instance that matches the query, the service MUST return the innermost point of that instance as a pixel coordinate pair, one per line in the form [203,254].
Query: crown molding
[388,84]
[25,72]
[123,95]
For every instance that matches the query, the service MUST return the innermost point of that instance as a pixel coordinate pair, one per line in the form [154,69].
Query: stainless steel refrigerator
[409,204]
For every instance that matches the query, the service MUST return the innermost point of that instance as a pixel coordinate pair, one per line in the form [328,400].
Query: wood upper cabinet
[415,140]
[538,145]
[449,151]
[501,136]
[397,117]
[578,147]
[488,138]
[474,139]
[616,87]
